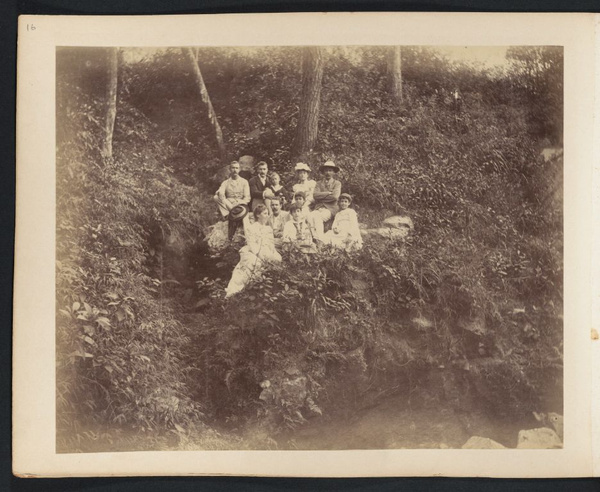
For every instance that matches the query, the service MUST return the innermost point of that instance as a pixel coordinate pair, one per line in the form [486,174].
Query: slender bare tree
[212,115]
[395,71]
[111,102]
[308,118]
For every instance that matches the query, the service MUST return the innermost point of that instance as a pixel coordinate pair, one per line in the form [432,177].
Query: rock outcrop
[542,438]
[395,227]
[477,442]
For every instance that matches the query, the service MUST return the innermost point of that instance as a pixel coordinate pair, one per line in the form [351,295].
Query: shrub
[119,341]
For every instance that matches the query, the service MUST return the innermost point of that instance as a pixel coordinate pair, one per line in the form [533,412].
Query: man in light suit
[233,191]
[232,197]
[326,194]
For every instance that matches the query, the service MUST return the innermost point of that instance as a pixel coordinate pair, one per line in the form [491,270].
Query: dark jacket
[256,191]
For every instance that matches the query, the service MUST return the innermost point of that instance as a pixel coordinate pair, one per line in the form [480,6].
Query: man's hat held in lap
[329,165]
[238,212]
[302,167]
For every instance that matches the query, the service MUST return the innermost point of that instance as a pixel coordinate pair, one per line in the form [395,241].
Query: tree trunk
[212,115]
[395,71]
[308,118]
[111,102]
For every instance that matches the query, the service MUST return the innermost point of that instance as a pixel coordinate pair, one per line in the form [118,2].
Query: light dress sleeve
[310,191]
[289,232]
[253,238]
[353,228]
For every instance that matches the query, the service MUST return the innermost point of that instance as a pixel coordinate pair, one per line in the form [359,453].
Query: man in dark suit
[259,185]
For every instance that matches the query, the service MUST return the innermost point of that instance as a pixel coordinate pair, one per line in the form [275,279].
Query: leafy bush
[119,342]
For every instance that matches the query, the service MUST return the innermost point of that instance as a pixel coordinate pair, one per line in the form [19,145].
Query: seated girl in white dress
[259,250]
[345,233]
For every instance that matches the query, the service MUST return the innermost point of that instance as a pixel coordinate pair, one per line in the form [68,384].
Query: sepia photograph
[309,248]
[305,245]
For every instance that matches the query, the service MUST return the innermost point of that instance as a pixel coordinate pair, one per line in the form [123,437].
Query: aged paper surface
[595,356]
[34,305]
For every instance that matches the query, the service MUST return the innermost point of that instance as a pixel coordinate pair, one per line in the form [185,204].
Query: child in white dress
[345,233]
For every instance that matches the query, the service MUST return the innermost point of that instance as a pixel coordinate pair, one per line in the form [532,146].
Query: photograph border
[31,179]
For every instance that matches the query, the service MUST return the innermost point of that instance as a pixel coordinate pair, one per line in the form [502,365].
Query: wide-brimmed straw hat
[302,167]
[329,165]
[238,212]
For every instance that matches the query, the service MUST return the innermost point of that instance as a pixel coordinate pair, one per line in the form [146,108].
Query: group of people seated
[285,219]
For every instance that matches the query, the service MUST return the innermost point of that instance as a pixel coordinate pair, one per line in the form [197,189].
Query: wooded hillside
[465,315]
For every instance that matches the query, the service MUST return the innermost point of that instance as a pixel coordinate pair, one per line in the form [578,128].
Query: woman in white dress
[258,251]
[345,233]
[305,185]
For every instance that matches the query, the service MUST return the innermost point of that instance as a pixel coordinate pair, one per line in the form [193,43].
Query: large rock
[477,442]
[246,163]
[550,153]
[399,222]
[246,169]
[542,438]
[551,420]
[556,421]
[217,236]
[395,227]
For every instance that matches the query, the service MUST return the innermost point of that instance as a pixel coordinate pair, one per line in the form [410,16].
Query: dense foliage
[466,313]
[119,343]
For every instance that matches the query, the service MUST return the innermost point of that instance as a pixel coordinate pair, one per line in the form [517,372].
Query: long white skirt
[342,241]
[249,267]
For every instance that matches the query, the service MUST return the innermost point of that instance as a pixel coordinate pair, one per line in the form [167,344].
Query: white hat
[302,167]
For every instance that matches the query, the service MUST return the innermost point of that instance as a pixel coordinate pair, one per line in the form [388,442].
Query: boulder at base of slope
[216,236]
[542,438]
[395,227]
[477,442]
[399,222]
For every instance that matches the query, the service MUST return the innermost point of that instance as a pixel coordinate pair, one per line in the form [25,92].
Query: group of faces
[261,212]
[261,170]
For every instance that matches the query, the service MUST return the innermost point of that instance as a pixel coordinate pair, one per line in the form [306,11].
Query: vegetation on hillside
[465,314]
